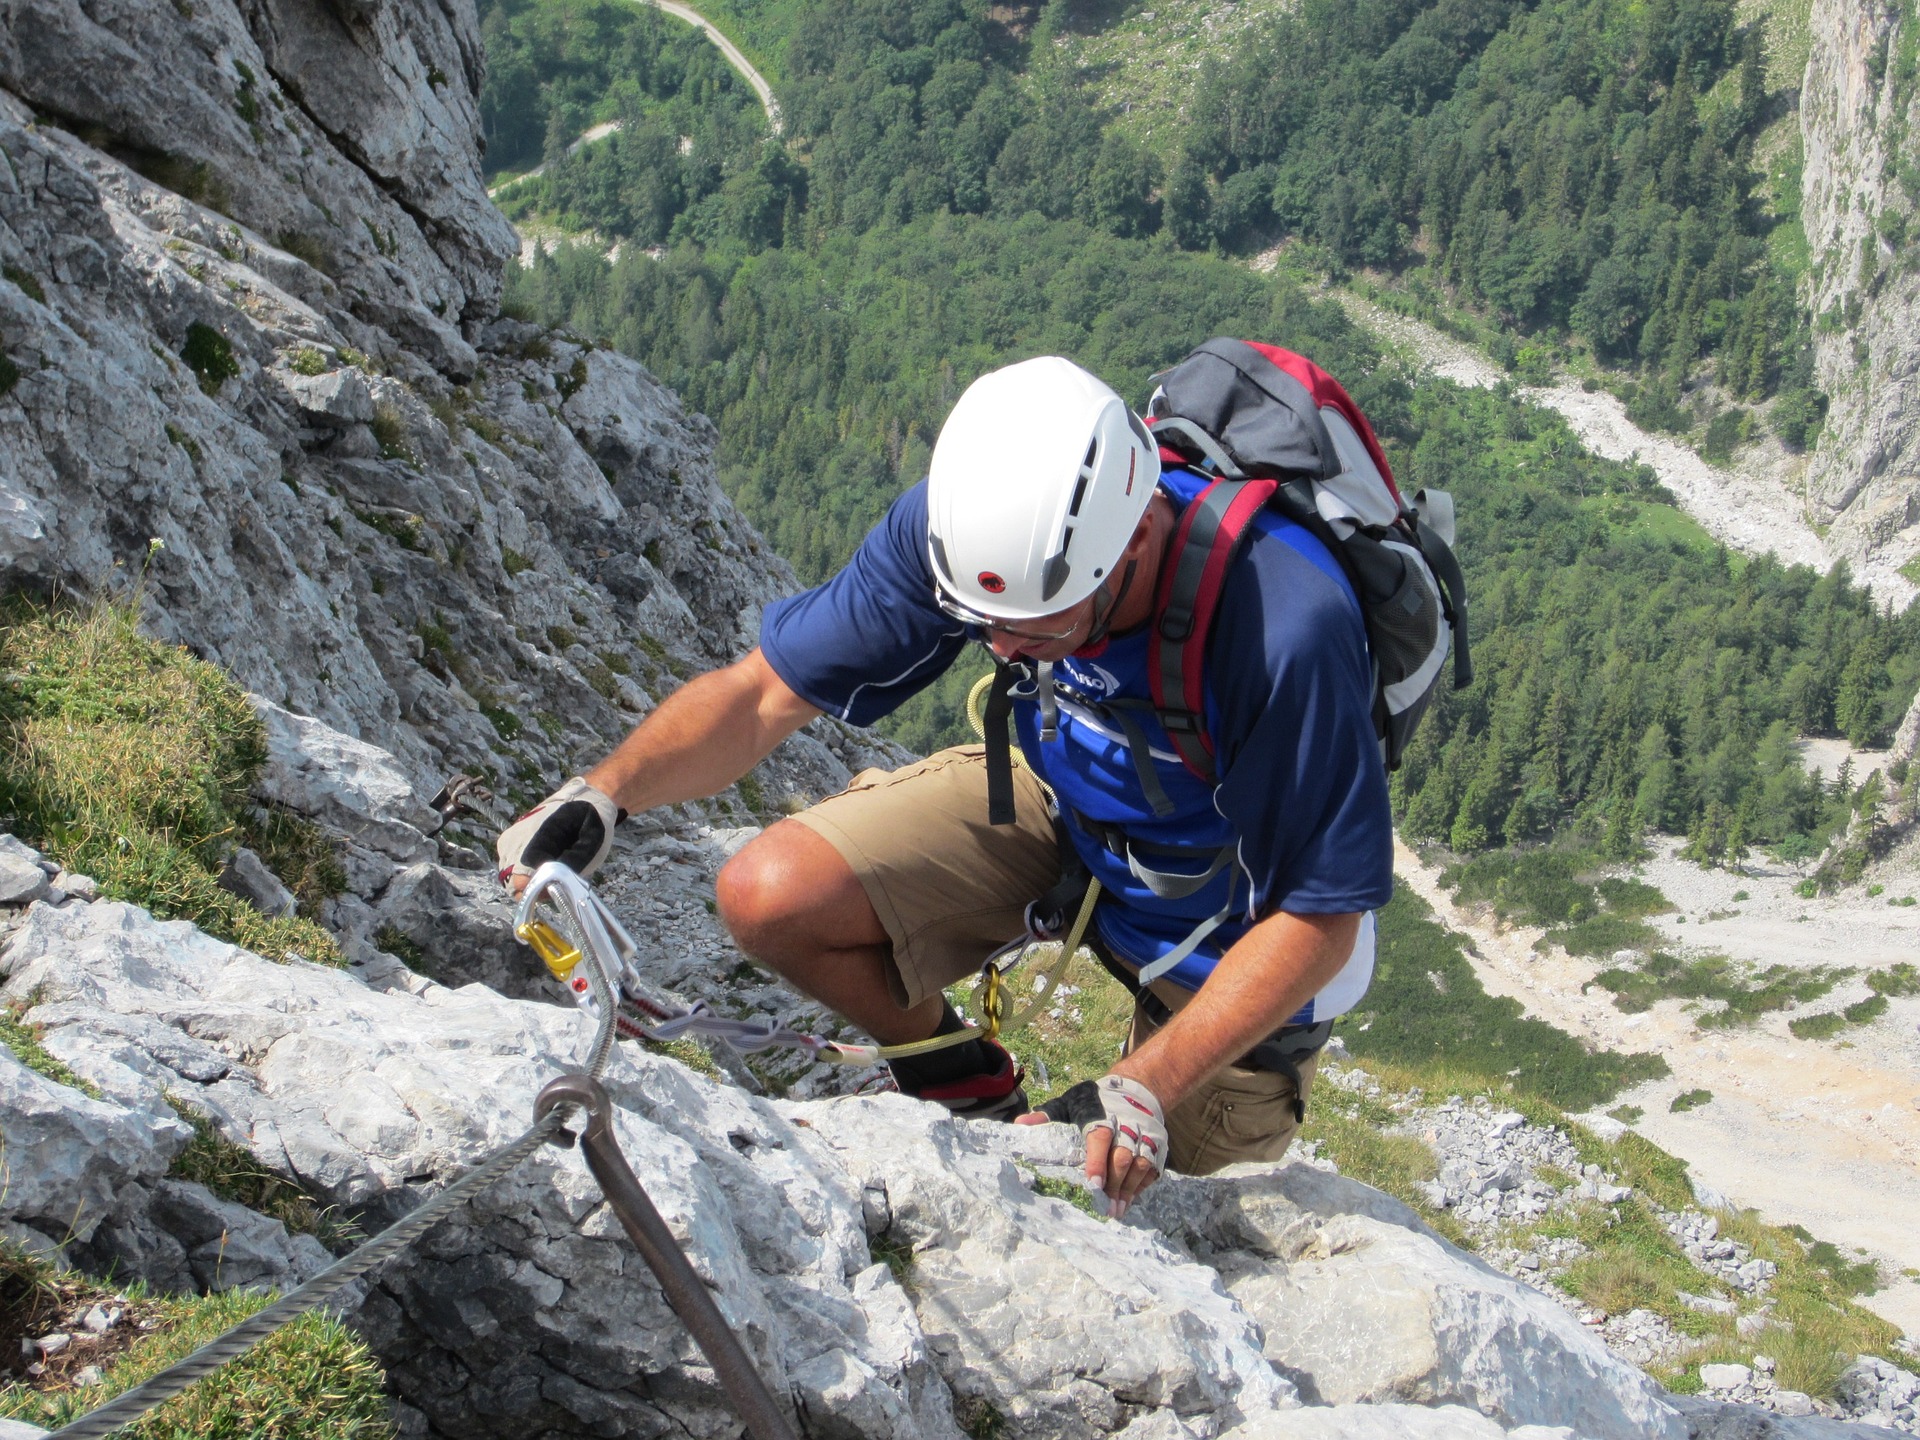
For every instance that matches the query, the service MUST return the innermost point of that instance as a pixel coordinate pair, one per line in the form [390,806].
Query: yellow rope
[989,994]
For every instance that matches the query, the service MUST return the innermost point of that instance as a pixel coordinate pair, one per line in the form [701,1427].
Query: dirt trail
[734,58]
[726,47]
[1744,510]
[1824,1134]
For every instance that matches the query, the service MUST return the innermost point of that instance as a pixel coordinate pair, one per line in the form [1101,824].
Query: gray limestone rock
[1361,1302]
[247,876]
[65,1154]
[1024,1298]
[1710,1419]
[228,1246]
[1864,476]
[22,881]
[337,396]
[1063,1324]
[529,1310]
[459,927]
[1391,1422]
[353,786]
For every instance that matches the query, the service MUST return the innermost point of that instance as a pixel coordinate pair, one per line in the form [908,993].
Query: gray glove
[574,825]
[1123,1106]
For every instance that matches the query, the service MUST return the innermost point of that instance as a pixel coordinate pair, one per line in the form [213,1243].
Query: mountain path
[726,47]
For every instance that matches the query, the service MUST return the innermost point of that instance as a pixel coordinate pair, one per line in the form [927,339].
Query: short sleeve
[1301,775]
[869,639]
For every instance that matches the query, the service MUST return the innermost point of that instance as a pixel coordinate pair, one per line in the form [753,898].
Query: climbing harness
[580,914]
[597,967]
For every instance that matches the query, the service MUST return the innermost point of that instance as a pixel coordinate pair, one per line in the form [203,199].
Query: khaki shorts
[950,888]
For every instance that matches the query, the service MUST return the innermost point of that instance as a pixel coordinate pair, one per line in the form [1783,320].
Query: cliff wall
[1857,106]
[250,310]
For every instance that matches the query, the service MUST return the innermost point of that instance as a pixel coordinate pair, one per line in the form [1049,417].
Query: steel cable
[125,1409]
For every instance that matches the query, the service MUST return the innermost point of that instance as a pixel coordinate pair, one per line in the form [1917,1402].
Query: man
[1042,531]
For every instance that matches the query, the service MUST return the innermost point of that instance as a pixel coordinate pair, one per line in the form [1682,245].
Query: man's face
[1045,639]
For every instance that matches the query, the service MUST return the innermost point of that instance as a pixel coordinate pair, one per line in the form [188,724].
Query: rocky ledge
[893,1272]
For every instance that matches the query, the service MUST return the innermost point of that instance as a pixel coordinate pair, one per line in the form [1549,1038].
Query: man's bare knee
[748,895]
[789,891]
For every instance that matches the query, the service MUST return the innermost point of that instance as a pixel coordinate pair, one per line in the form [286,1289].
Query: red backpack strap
[1208,535]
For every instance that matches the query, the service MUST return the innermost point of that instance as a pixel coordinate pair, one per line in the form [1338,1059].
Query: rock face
[1863,289]
[1360,1301]
[896,1274]
[248,286]
[66,1155]
[1220,1306]
[480,547]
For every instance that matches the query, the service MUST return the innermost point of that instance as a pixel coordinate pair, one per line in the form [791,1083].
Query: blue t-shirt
[1290,704]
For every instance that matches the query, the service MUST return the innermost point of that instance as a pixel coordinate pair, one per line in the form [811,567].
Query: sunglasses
[969,616]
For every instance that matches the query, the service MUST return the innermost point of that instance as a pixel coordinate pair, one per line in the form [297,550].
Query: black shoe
[995,1096]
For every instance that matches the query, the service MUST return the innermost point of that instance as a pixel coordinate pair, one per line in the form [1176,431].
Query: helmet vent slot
[1079,493]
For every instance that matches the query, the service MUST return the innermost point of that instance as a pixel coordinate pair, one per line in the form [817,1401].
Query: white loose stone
[356,787]
[338,395]
[1725,1377]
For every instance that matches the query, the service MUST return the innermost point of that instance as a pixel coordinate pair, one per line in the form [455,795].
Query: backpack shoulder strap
[1209,534]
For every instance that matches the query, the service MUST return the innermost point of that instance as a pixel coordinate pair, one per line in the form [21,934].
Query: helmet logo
[991,583]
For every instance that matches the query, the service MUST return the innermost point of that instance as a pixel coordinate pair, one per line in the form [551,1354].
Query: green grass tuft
[130,761]
[1690,1100]
[1823,1026]
[25,282]
[231,1172]
[390,433]
[1901,979]
[894,1253]
[1738,993]
[24,1041]
[209,354]
[314,1380]
[1077,1196]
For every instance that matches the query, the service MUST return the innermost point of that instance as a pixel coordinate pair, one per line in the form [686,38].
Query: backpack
[1280,433]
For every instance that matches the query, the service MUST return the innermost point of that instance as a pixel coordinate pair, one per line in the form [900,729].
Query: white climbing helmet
[1038,480]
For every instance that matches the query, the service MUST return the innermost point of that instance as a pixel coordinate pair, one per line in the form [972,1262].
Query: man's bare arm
[1267,975]
[703,737]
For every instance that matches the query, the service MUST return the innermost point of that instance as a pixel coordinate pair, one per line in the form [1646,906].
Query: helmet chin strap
[1103,614]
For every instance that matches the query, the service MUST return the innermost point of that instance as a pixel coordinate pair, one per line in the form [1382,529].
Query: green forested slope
[947,203]
[829,369]
[1579,165]
[689,159]
[1630,675]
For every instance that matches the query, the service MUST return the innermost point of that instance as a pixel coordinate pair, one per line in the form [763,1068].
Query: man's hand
[1126,1134]
[574,825]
